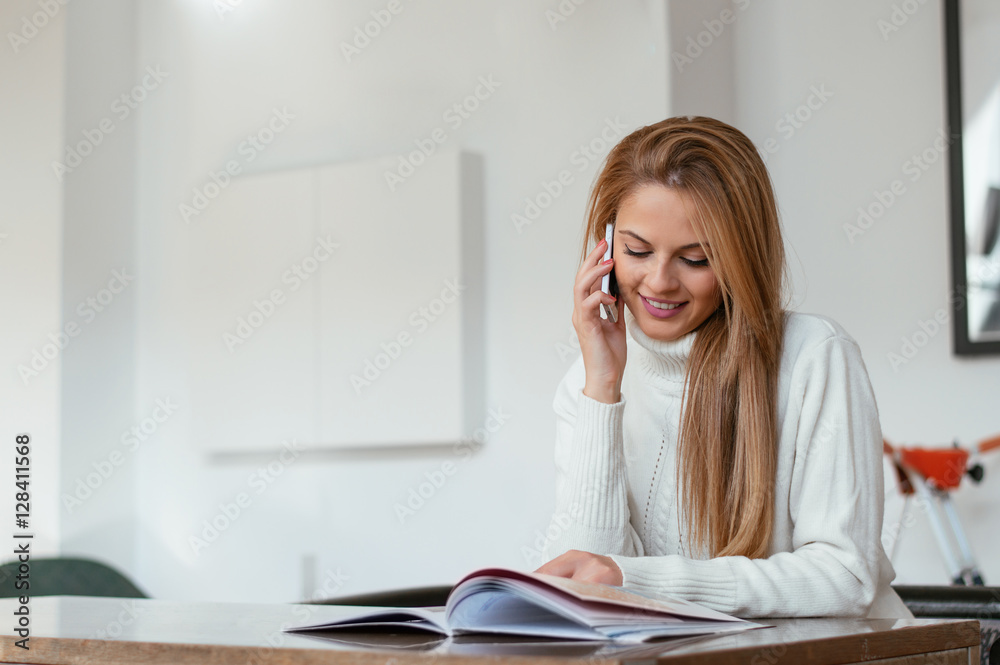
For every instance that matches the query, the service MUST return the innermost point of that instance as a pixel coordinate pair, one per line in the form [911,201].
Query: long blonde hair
[727,449]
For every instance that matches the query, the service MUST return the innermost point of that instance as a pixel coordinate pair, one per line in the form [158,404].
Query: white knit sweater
[616,490]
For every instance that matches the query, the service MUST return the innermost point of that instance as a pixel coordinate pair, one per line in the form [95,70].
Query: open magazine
[511,602]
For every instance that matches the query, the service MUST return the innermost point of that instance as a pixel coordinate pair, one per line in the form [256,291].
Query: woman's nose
[662,279]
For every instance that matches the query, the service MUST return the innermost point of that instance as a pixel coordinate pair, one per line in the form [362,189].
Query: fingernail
[604,263]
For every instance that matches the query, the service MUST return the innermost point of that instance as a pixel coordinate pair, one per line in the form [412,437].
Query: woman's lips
[660,300]
[662,313]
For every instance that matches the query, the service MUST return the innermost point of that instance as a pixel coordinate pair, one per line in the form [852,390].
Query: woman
[736,459]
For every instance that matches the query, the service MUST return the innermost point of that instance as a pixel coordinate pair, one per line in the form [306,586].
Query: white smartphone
[608,283]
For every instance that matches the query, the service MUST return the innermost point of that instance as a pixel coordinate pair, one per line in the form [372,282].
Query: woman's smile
[661,309]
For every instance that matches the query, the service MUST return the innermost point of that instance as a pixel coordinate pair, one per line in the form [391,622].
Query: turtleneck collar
[661,363]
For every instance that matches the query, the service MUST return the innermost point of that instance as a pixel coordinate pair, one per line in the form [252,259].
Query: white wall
[702,65]
[31,133]
[97,487]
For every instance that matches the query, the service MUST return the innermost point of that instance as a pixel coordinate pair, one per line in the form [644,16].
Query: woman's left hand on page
[585,567]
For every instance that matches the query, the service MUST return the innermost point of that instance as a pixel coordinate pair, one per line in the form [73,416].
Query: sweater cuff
[710,583]
[597,466]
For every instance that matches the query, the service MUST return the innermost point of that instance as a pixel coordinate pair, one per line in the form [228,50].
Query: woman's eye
[701,263]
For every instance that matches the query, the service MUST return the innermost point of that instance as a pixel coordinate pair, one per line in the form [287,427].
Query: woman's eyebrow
[694,245]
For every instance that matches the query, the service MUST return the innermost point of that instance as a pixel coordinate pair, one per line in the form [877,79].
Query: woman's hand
[602,341]
[585,567]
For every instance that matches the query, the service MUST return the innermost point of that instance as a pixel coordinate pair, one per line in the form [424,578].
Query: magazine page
[638,634]
[501,646]
[404,618]
[602,594]
[468,601]
[486,607]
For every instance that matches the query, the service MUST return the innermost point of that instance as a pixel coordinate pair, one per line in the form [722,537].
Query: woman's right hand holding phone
[602,341]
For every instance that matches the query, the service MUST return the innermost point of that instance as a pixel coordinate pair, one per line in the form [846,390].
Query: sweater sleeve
[835,504]
[591,511]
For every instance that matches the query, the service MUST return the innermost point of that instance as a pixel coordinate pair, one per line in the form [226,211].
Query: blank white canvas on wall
[349,316]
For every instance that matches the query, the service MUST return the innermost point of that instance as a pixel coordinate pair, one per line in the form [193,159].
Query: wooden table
[67,629]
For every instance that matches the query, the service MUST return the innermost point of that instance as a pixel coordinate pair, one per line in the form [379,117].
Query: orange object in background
[942,467]
[989,444]
[933,473]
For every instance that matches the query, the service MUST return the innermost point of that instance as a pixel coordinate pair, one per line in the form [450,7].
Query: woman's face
[658,259]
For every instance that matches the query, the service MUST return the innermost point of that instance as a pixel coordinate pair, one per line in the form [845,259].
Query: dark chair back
[63,576]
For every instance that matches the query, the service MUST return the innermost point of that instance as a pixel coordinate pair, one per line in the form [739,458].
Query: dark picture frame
[964,344]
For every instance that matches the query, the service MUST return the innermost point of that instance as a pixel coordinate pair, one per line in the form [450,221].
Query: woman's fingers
[589,278]
[600,570]
[598,250]
[596,298]
[584,566]
[587,314]
[563,565]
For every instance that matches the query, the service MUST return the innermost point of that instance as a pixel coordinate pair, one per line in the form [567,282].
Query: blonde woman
[735,459]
